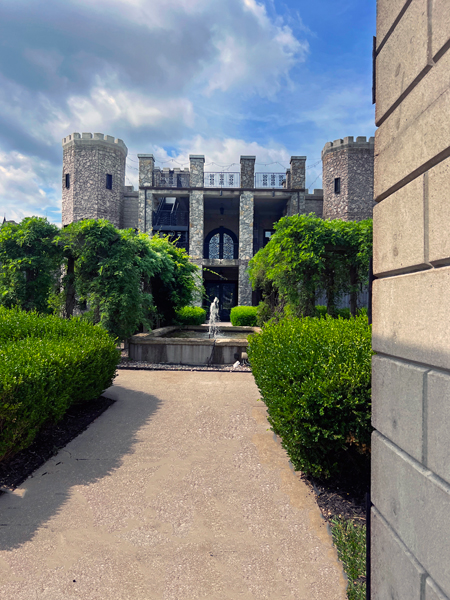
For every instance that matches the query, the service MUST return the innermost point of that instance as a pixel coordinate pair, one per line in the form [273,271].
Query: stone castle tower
[93,178]
[348,179]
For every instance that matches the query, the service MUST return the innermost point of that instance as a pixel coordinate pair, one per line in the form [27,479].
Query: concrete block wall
[411,303]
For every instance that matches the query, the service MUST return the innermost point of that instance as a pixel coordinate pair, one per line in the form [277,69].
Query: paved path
[177,492]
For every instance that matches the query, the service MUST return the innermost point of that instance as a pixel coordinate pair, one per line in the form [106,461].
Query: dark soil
[49,441]
[344,497]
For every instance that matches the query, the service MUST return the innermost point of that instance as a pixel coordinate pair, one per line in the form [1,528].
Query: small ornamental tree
[29,264]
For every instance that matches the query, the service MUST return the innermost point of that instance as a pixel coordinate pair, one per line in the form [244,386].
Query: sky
[222,78]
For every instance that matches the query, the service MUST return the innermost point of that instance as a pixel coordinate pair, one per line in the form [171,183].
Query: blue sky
[220,78]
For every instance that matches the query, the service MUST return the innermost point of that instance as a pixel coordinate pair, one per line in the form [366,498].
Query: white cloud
[28,186]
[104,107]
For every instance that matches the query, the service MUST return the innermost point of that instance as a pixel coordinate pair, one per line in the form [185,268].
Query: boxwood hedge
[242,316]
[46,365]
[314,375]
[190,315]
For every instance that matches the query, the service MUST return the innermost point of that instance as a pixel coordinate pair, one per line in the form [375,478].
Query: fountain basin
[154,347]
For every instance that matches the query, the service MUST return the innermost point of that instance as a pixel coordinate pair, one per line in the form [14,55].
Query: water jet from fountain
[213,330]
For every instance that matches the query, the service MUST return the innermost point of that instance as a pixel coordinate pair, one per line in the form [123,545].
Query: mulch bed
[49,441]
[337,498]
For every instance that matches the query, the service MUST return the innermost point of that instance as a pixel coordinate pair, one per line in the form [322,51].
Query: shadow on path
[94,454]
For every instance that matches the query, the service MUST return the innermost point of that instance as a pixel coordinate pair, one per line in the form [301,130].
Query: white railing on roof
[270,180]
[220,180]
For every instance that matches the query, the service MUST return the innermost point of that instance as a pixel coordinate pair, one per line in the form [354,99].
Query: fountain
[214,318]
[193,345]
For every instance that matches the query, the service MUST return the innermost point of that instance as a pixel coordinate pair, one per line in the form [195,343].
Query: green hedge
[242,316]
[314,376]
[46,365]
[190,315]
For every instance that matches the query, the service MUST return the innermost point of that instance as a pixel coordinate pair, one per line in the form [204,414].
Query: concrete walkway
[177,492]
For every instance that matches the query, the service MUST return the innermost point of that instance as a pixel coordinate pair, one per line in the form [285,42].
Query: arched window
[221,243]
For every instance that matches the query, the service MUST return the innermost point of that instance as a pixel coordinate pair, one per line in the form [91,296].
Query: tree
[307,256]
[29,264]
[126,279]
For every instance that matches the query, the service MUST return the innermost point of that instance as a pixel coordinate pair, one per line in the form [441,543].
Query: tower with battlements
[93,178]
[348,179]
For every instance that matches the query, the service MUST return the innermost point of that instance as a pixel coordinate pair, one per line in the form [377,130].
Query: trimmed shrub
[46,365]
[320,311]
[314,376]
[344,313]
[242,316]
[190,315]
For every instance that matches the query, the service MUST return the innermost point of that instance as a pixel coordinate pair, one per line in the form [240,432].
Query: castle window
[67,180]
[109,182]
[221,243]
[337,185]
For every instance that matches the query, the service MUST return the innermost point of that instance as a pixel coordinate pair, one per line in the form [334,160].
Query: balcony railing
[270,180]
[170,179]
[221,180]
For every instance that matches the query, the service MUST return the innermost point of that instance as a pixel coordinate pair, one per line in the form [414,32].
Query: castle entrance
[221,283]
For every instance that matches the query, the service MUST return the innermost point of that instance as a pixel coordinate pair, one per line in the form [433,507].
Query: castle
[221,218]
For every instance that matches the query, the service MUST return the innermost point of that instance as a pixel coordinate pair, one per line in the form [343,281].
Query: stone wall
[88,158]
[197,168]
[130,215]
[246,216]
[196,225]
[297,172]
[411,303]
[146,169]
[314,203]
[352,162]
[248,172]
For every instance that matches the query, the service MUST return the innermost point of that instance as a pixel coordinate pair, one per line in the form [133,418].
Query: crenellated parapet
[94,139]
[349,142]
[347,177]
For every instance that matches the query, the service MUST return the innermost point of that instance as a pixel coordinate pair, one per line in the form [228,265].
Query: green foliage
[344,313]
[350,540]
[46,365]
[29,263]
[314,376]
[125,279]
[190,315]
[320,311]
[244,316]
[307,256]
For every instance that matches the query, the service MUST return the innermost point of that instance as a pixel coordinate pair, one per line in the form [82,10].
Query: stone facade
[246,216]
[130,215]
[351,162]
[87,160]
[411,303]
[248,172]
[297,173]
[196,226]
[197,168]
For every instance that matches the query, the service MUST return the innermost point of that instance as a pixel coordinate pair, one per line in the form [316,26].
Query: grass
[349,538]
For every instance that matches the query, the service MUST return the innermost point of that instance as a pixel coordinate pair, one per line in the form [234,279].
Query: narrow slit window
[109,182]
[67,180]
[337,185]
